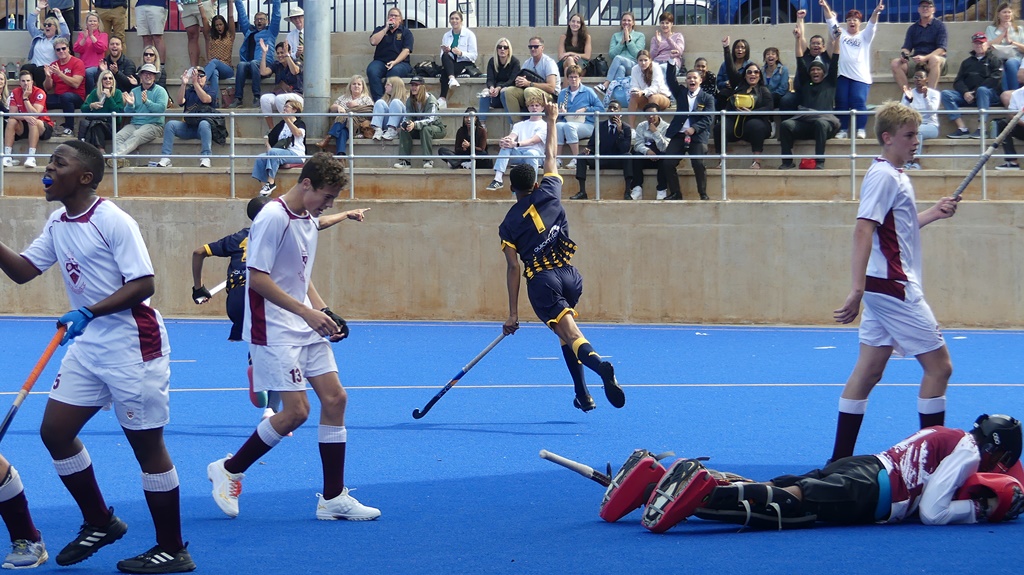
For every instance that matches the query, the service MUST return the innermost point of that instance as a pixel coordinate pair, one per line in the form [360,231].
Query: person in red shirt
[27,98]
[65,84]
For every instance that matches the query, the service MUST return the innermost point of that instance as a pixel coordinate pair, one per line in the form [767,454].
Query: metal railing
[235,159]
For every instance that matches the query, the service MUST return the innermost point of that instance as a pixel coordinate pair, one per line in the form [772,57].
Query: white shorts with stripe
[909,327]
[286,367]
[138,392]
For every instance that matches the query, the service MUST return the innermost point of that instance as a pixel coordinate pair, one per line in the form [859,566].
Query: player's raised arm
[551,145]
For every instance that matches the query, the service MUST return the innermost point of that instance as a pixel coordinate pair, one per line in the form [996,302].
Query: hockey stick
[988,153]
[218,288]
[32,377]
[416,413]
[584,470]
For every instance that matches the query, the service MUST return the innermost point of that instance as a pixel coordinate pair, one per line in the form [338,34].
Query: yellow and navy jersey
[235,247]
[536,227]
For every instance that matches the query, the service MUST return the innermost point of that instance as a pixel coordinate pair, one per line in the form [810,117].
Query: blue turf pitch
[463,490]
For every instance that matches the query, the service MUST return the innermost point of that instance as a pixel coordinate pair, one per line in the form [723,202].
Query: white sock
[8,150]
[931,405]
[853,406]
[31,151]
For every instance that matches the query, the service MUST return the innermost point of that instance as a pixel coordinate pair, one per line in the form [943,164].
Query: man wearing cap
[977,84]
[817,93]
[147,98]
[295,38]
[924,45]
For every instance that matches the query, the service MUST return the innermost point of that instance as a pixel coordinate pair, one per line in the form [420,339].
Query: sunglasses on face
[64,49]
[503,47]
[149,54]
[753,72]
[533,47]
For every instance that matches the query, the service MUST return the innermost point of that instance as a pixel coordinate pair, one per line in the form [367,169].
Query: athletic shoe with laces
[494,186]
[8,162]
[428,164]
[584,404]
[344,506]
[1008,166]
[267,189]
[204,162]
[401,164]
[960,134]
[163,163]
[637,193]
[442,103]
[466,165]
[378,134]
[68,133]
[226,486]
[612,391]
[453,83]
[90,539]
[390,134]
[26,554]
[842,135]
[661,194]
[862,134]
[976,135]
[30,162]
[156,560]
[571,165]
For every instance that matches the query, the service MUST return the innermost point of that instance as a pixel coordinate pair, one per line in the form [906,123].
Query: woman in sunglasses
[40,51]
[151,56]
[502,70]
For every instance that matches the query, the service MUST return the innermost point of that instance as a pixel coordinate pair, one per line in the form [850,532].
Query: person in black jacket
[120,65]
[614,139]
[688,132]
[502,70]
[749,128]
[977,84]
[819,93]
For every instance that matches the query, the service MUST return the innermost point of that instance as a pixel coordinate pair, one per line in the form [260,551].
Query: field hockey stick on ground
[32,377]
[416,413]
[988,153]
[584,470]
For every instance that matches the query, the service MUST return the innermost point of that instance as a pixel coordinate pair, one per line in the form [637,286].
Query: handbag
[472,70]
[427,69]
[532,76]
[740,100]
[598,66]
[197,113]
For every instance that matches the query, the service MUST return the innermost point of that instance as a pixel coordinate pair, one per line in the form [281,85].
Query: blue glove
[76,321]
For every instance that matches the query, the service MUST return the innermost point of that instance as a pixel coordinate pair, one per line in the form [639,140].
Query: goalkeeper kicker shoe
[90,539]
[344,506]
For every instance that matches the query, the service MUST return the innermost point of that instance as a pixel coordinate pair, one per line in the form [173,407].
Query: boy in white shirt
[525,143]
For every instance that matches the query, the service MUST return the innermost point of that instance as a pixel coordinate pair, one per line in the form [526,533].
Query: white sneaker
[390,134]
[164,163]
[204,162]
[453,83]
[378,134]
[466,165]
[267,189]
[637,193]
[842,135]
[428,164]
[862,134]
[8,162]
[442,103]
[30,162]
[571,165]
[661,195]
[401,164]
[344,506]
[226,486]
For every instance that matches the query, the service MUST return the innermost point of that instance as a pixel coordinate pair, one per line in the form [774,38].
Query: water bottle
[12,22]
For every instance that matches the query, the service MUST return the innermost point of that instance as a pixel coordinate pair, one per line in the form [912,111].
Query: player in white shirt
[286,323]
[886,267]
[854,81]
[122,358]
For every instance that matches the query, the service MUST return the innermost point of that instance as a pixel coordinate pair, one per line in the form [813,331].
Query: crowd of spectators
[830,74]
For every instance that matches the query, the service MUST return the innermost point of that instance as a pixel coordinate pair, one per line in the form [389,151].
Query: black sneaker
[90,539]
[156,560]
[787,166]
[585,404]
[612,391]
[959,135]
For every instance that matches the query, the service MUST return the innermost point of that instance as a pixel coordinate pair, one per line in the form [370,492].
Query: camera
[407,124]
[905,56]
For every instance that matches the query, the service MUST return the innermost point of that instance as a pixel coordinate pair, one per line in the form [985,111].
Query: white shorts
[190,12]
[909,327]
[150,20]
[286,367]
[139,392]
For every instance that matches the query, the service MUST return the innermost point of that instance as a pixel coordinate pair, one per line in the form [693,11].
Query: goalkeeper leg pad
[685,486]
[632,485]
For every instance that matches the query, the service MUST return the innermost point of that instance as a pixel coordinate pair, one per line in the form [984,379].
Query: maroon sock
[165,507]
[332,457]
[253,449]
[17,518]
[847,429]
[86,492]
[932,419]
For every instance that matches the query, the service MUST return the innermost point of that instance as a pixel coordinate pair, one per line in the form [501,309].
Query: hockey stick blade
[32,377]
[584,470]
[418,413]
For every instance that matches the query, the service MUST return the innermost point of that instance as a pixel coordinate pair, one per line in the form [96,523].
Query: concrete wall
[735,262]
